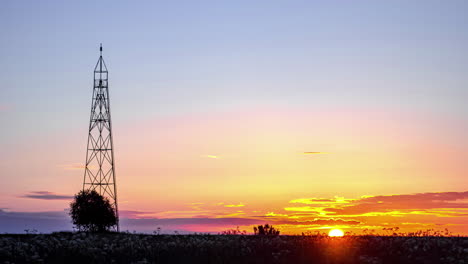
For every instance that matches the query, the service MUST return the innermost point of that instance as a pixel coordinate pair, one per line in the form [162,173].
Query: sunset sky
[307,115]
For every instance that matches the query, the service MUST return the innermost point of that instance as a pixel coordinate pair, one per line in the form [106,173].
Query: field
[200,248]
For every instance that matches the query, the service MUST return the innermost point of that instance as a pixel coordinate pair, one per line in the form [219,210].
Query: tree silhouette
[266,230]
[91,212]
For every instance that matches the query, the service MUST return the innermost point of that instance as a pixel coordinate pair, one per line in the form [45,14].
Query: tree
[266,230]
[91,212]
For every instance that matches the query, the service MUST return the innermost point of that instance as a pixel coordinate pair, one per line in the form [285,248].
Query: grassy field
[139,248]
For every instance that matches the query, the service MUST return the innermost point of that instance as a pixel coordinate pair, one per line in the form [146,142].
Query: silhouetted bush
[236,231]
[266,230]
[91,212]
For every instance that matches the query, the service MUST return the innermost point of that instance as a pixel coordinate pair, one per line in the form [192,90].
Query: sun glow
[336,233]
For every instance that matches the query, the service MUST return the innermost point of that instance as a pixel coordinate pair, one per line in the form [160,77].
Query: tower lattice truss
[100,170]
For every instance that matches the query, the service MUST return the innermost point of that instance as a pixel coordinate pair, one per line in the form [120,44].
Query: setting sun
[336,233]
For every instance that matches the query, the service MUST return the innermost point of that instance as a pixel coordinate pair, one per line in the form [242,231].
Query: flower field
[199,248]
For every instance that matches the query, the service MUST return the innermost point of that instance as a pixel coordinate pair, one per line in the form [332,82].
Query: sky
[307,115]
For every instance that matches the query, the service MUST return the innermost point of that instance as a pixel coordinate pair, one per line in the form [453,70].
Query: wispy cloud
[234,205]
[136,214]
[196,206]
[232,214]
[319,201]
[273,214]
[211,156]
[332,222]
[45,195]
[313,152]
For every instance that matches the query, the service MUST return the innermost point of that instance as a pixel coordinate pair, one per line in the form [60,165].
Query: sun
[336,233]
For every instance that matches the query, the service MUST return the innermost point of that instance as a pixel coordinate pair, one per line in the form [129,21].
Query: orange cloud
[412,202]
[234,205]
[435,210]
[321,201]
[195,206]
[272,214]
[410,212]
[332,222]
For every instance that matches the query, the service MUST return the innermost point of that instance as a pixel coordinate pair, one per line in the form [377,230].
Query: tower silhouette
[99,172]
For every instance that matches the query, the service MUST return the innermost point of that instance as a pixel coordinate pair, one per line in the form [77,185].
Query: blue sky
[171,57]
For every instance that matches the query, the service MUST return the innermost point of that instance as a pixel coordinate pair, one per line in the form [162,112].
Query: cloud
[320,201]
[187,225]
[332,222]
[428,209]
[420,202]
[234,205]
[17,222]
[389,208]
[418,211]
[211,156]
[313,152]
[273,214]
[135,214]
[197,221]
[233,214]
[302,209]
[196,206]
[44,195]
[305,219]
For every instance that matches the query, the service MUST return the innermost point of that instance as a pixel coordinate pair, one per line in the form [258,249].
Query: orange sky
[300,169]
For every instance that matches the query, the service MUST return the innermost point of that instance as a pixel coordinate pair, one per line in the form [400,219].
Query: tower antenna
[99,172]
